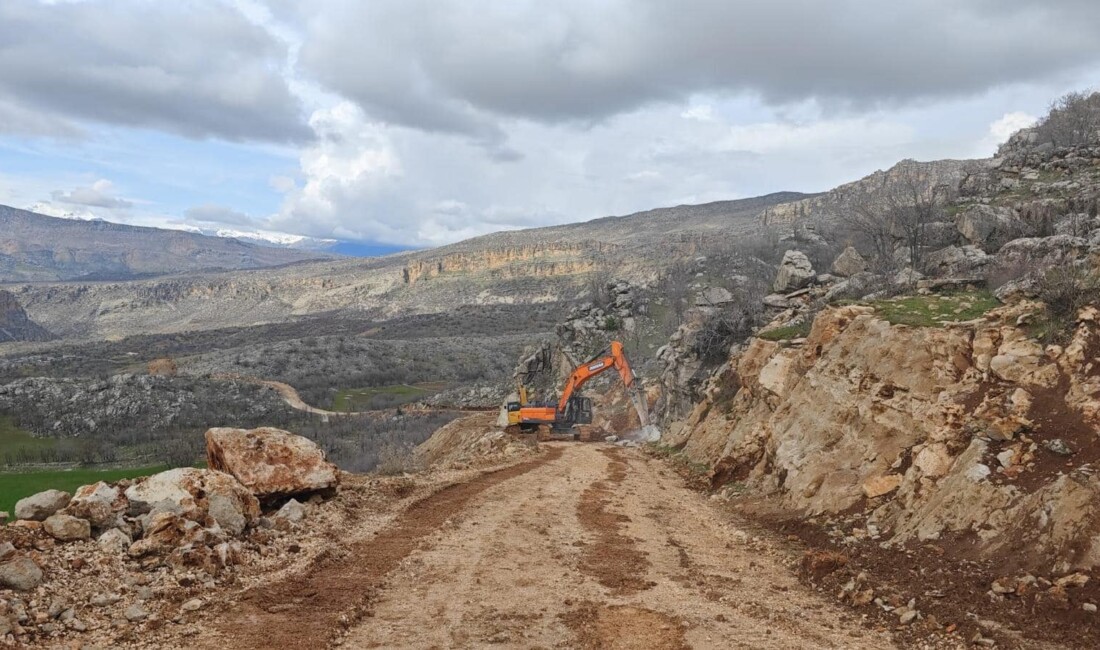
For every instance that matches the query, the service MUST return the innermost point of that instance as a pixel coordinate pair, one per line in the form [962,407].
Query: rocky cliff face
[14,324]
[971,431]
[533,260]
[871,190]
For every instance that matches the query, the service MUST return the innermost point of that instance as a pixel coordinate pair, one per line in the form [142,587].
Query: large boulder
[795,272]
[849,263]
[38,507]
[982,225]
[270,462]
[956,260]
[196,494]
[99,503]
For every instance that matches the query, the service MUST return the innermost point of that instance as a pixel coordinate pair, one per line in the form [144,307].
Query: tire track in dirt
[312,609]
[617,564]
[613,559]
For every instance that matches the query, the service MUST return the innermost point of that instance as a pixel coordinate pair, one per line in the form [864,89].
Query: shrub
[397,458]
[1065,290]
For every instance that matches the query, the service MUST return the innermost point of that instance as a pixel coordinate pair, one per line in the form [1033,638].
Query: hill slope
[34,248]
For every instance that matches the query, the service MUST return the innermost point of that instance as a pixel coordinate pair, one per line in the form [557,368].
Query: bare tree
[896,216]
[1073,119]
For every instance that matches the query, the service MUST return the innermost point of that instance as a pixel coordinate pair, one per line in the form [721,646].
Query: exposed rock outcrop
[270,462]
[15,325]
[932,432]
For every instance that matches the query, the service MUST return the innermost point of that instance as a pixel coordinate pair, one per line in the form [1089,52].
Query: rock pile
[94,561]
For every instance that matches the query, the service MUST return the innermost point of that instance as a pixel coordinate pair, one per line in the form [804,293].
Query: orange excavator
[572,408]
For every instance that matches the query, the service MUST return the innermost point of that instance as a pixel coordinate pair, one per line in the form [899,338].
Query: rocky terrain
[541,265]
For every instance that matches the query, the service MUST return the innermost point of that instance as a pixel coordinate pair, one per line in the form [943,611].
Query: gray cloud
[196,69]
[96,196]
[218,214]
[453,66]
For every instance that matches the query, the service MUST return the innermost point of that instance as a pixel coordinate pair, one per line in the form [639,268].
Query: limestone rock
[165,532]
[192,492]
[849,262]
[20,573]
[956,260]
[270,462]
[66,528]
[981,224]
[292,511]
[795,272]
[879,485]
[114,541]
[712,296]
[99,503]
[38,507]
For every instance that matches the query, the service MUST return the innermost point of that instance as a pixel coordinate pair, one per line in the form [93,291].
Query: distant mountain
[539,265]
[35,247]
[14,324]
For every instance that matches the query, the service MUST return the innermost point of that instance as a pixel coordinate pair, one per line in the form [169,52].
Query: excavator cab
[578,410]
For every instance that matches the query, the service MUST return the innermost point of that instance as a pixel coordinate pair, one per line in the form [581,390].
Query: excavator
[572,408]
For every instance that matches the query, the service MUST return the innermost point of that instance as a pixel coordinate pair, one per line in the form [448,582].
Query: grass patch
[935,310]
[382,397]
[14,486]
[694,472]
[13,439]
[799,331]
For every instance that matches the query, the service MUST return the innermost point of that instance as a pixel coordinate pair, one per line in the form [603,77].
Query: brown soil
[518,567]
[951,589]
[624,627]
[611,557]
[335,590]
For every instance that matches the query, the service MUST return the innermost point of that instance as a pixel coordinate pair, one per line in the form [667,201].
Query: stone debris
[292,511]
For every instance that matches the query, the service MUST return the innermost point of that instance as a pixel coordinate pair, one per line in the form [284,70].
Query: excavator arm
[594,368]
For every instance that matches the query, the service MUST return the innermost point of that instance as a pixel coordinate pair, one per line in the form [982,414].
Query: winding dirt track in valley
[587,546]
[294,400]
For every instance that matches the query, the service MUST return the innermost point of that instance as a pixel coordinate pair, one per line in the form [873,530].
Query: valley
[868,418]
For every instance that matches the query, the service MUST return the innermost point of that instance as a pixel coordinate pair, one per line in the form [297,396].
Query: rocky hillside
[14,324]
[37,248]
[530,266]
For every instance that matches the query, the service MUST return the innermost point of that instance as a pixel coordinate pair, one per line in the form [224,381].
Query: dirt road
[588,546]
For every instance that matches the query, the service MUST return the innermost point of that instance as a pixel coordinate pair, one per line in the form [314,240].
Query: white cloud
[1010,123]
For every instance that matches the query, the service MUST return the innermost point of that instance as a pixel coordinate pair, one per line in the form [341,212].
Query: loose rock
[38,507]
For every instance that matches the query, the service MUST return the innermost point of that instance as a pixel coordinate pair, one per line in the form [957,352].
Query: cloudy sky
[421,122]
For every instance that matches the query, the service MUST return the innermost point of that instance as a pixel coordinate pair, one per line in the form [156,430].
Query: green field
[382,397]
[16,485]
